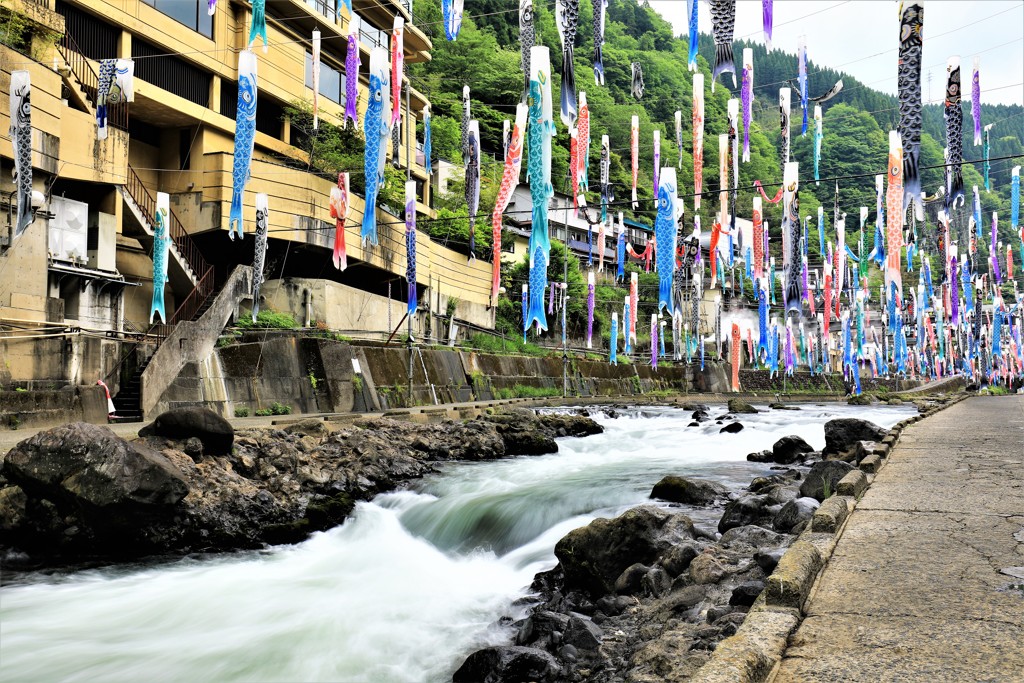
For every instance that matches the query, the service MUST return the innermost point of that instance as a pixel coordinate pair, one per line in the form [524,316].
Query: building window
[332,81]
[173,74]
[191,13]
[324,7]
[371,36]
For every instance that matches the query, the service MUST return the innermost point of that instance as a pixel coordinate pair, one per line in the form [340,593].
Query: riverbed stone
[746,593]
[745,510]
[826,473]
[737,405]
[760,456]
[582,634]
[843,433]
[731,428]
[630,579]
[594,556]
[677,559]
[706,569]
[790,449]
[796,512]
[687,491]
[656,582]
[540,626]
[507,664]
[179,424]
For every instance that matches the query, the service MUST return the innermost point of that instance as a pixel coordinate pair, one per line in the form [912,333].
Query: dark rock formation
[795,513]
[508,664]
[843,433]
[687,491]
[179,424]
[790,449]
[594,556]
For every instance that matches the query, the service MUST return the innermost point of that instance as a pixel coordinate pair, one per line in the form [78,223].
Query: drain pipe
[307,304]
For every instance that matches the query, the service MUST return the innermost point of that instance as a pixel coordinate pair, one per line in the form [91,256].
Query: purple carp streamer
[567,16]
[451,11]
[600,7]
[954,134]
[723,23]
[21,140]
[766,16]
[802,80]
[260,256]
[161,245]
[747,97]
[410,245]
[694,38]
[657,156]
[352,75]
[634,155]
[909,86]
[245,137]
[976,101]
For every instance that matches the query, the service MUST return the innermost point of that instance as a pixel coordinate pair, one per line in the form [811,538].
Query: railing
[88,79]
[194,301]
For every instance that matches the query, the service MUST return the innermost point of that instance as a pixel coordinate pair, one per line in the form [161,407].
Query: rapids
[408,586]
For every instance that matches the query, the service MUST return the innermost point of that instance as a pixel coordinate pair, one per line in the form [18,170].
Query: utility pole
[409,139]
[565,307]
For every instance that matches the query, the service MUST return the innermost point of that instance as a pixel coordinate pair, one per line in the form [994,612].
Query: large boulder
[789,449]
[739,406]
[88,465]
[824,479]
[594,556]
[179,424]
[843,433]
[507,664]
[687,491]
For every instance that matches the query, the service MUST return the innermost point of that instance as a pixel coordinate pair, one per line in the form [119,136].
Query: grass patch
[268,320]
[524,391]
[489,343]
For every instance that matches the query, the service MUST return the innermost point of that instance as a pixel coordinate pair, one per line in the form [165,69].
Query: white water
[403,591]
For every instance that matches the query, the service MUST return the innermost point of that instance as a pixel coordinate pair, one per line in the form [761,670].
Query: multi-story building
[79,279]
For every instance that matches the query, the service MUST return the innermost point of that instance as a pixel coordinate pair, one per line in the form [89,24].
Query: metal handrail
[89,80]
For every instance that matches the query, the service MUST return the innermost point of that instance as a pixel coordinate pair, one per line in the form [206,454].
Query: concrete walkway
[914,590]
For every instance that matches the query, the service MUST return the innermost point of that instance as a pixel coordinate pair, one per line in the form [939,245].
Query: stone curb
[754,652]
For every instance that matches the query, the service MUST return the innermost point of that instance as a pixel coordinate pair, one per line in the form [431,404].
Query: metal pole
[565,307]
[409,137]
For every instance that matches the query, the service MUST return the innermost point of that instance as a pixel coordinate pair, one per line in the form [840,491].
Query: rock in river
[508,664]
[789,449]
[687,491]
[843,433]
[824,474]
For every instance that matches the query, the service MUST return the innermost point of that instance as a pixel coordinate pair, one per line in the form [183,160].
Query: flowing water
[403,591]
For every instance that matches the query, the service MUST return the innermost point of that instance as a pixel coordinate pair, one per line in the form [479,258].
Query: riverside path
[927,581]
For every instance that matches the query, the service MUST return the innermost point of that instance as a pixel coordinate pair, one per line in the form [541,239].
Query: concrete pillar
[215,93]
[124,45]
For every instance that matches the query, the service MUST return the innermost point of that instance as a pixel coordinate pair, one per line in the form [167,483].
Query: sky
[861,37]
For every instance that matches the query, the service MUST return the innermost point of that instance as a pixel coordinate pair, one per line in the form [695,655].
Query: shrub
[242,411]
[280,409]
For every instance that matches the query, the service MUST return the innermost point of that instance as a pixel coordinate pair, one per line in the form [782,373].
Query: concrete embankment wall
[43,407]
[324,375]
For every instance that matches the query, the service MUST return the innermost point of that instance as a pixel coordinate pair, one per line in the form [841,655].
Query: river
[402,592]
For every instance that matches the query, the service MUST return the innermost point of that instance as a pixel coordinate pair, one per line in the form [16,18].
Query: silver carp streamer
[909,86]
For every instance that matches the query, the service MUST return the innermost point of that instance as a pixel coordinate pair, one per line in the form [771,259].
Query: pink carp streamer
[590,310]
[397,66]
[735,349]
[509,181]
[339,206]
[698,139]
